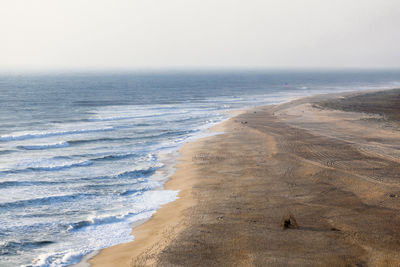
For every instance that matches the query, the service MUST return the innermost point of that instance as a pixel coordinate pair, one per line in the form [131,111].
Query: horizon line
[186,69]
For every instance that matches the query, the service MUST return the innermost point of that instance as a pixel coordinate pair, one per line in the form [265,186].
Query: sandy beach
[312,182]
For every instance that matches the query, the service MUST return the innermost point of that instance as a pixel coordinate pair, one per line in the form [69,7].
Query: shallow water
[80,154]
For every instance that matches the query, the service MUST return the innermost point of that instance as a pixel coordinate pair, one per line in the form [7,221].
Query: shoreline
[143,239]
[160,232]
[139,228]
[213,130]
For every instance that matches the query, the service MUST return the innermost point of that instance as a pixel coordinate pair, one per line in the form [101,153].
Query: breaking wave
[34,135]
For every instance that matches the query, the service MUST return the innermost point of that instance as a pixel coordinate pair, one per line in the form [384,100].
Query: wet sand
[313,182]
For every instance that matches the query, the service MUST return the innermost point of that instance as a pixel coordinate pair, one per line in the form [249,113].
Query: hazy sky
[102,34]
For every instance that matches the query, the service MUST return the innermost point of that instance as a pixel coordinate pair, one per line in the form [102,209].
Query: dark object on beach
[335,229]
[289,223]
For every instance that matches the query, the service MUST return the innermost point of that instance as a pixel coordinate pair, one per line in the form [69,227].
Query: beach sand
[313,182]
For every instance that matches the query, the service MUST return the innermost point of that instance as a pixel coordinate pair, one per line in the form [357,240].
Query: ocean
[85,155]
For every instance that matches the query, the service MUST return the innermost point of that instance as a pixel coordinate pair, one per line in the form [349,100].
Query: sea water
[85,155]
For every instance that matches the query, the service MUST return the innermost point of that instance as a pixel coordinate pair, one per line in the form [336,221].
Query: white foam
[99,236]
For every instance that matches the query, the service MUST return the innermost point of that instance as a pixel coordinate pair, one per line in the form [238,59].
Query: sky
[141,34]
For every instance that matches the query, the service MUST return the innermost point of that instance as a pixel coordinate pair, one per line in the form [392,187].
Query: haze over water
[82,156]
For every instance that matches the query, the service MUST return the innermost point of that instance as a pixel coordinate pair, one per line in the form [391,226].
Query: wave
[141,137]
[26,183]
[104,181]
[102,220]
[137,173]
[106,139]
[53,167]
[62,166]
[117,118]
[134,191]
[45,146]
[141,188]
[3,152]
[13,247]
[34,135]
[114,218]
[44,200]
[110,183]
[175,133]
[111,218]
[116,156]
